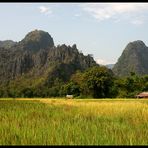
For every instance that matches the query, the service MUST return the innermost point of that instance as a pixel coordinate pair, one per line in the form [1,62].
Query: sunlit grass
[73,122]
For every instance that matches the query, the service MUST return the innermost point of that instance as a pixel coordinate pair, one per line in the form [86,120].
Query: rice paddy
[73,122]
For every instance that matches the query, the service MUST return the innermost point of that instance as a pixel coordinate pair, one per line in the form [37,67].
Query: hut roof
[143,94]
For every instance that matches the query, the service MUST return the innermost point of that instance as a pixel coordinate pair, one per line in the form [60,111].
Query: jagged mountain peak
[133,59]
[36,56]
[135,45]
[36,40]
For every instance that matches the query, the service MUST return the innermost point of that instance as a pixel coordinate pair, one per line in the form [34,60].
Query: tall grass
[73,122]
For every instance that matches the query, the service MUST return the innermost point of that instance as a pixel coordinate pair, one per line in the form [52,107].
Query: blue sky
[101,29]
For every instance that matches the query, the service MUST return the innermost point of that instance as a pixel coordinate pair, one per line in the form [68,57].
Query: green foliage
[34,67]
[98,81]
[27,93]
[72,88]
[130,86]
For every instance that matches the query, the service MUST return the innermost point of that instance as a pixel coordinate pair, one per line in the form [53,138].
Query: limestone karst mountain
[7,43]
[133,59]
[36,57]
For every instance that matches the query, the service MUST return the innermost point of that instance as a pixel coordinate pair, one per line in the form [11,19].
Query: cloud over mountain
[131,12]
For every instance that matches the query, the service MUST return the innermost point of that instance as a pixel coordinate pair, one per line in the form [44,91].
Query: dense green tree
[98,81]
[130,86]
[72,88]
[27,93]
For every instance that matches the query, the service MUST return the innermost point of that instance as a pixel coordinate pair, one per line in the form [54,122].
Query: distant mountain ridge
[134,58]
[36,57]
[7,44]
[110,66]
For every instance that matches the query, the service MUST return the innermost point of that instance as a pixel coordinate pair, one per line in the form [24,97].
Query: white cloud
[137,22]
[45,10]
[77,15]
[102,62]
[116,11]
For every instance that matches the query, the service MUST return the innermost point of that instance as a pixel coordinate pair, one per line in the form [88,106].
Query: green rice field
[73,122]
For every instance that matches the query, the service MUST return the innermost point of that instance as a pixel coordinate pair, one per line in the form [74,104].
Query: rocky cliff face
[133,59]
[36,40]
[36,55]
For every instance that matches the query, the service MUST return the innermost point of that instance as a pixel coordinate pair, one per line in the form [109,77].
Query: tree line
[95,82]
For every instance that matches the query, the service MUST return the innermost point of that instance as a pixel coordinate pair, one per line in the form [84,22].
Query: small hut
[142,95]
[69,96]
